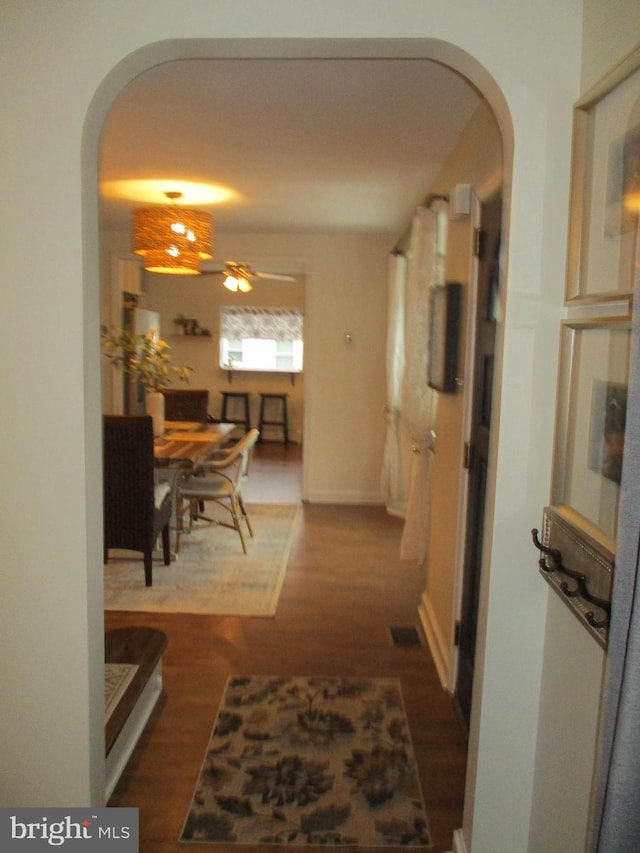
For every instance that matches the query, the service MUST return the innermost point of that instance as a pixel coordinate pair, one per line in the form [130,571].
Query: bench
[142,647]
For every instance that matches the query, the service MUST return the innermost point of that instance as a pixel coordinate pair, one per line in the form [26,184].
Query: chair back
[128,478]
[243,448]
[237,456]
[186,404]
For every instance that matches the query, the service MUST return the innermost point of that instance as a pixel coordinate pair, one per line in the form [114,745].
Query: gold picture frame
[590,425]
[578,542]
[605,188]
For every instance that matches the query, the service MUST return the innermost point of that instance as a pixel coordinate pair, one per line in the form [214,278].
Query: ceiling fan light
[231,283]
[632,200]
[244,285]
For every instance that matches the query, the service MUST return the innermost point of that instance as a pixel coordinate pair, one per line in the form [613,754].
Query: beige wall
[476,160]
[573,662]
[337,404]
[611,29]
[201,297]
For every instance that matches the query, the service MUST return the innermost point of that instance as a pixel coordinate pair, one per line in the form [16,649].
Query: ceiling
[305,145]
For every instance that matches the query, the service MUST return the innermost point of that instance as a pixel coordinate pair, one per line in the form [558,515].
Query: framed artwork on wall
[579,529]
[590,427]
[605,189]
[445,302]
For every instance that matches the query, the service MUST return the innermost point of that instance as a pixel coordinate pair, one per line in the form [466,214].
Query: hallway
[344,587]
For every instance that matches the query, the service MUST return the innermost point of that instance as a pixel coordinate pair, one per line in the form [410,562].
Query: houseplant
[147,358]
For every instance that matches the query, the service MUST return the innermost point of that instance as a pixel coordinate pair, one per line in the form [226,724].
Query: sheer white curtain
[391,476]
[417,399]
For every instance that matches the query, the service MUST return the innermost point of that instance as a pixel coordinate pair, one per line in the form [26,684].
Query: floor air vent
[405,635]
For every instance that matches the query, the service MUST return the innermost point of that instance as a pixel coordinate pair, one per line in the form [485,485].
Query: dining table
[182,449]
[186,444]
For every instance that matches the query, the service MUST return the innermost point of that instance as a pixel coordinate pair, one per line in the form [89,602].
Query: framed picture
[605,191]
[579,528]
[607,423]
[590,425]
[445,302]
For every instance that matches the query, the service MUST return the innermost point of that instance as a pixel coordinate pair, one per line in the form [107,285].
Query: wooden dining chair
[136,509]
[186,404]
[219,480]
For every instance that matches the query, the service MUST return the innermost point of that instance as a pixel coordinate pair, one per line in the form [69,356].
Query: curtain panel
[418,400]
[391,476]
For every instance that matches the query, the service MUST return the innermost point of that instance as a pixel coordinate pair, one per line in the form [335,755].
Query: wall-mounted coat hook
[551,561]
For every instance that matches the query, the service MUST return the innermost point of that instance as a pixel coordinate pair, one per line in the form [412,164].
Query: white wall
[67,61]
[570,695]
[573,662]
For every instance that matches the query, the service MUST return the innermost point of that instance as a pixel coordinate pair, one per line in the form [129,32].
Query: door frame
[467,419]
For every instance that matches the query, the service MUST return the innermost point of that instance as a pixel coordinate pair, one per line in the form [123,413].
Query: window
[267,339]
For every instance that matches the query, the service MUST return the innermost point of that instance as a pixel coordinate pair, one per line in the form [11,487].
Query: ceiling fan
[238,275]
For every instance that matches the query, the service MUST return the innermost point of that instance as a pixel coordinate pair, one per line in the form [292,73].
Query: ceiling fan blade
[220,268]
[273,275]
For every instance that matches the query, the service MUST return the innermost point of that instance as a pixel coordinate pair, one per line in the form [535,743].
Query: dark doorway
[478,451]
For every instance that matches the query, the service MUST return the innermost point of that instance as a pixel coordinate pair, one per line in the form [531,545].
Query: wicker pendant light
[171,238]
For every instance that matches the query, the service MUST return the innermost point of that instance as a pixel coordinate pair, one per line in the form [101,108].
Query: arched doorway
[445,54]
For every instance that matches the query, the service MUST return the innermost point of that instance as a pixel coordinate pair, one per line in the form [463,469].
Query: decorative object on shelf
[189,326]
[180,322]
[237,275]
[172,239]
[147,358]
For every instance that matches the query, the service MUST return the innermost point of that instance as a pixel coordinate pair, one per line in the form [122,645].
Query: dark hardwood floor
[345,586]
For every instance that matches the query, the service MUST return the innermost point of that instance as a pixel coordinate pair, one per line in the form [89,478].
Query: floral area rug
[309,761]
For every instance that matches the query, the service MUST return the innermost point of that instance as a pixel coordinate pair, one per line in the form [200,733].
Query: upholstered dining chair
[186,404]
[221,483]
[136,509]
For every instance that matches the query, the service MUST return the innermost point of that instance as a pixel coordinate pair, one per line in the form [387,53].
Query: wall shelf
[206,337]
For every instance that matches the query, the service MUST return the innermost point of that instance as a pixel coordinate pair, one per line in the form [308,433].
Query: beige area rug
[211,574]
[309,761]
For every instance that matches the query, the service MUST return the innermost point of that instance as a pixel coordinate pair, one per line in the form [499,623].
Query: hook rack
[551,561]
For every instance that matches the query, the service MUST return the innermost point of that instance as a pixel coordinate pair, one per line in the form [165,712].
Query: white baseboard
[328,497]
[438,645]
[459,844]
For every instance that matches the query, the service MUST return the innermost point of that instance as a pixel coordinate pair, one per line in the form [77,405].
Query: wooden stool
[283,422]
[239,402]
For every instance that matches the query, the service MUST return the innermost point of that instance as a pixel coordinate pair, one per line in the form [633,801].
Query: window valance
[273,324]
